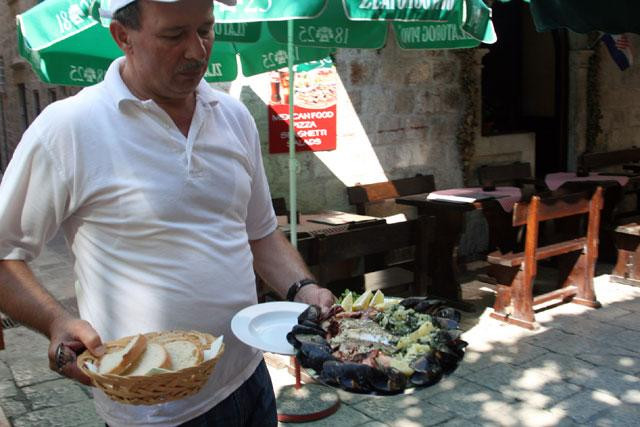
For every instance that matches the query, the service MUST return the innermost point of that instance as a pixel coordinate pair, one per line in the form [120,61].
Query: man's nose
[196,47]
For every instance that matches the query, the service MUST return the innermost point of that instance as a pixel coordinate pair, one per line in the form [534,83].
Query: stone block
[424,102]
[503,378]
[389,123]
[361,73]
[445,71]
[418,73]
[419,134]
[75,414]
[29,370]
[584,406]
[7,387]
[563,343]
[475,402]
[355,98]
[626,415]
[394,137]
[12,407]
[629,320]
[452,100]
[403,410]
[404,101]
[628,339]
[53,393]
[592,329]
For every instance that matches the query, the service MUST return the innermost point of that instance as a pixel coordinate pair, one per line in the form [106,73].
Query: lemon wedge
[347,302]
[377,299]
[363,301]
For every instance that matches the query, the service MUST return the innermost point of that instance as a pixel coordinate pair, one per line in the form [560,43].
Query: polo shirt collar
[121,93]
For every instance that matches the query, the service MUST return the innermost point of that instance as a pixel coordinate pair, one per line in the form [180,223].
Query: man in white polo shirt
[158,184]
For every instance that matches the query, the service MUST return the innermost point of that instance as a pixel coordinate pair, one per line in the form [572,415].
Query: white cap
[114,5]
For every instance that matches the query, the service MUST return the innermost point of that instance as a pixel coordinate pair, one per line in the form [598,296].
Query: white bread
[183,353]
[155,356]
[120,360]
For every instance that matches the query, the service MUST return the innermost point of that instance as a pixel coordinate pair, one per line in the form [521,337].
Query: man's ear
[121,35]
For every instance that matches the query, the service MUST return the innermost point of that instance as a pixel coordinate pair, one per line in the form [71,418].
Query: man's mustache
[191,66]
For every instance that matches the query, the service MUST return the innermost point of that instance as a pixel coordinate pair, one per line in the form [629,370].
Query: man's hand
[69,337]
[316,295]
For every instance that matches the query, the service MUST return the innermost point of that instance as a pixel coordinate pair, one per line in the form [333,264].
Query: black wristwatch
[293,289]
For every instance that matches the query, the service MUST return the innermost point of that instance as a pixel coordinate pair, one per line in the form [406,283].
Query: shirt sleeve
[261,219]
[33,201]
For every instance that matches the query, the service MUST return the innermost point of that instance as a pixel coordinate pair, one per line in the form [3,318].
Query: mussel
[313,355]
[313,313]
[427,370]
[349,376]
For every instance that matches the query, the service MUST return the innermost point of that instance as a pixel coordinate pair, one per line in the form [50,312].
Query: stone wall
[398,115]
[17,71]
[619,100]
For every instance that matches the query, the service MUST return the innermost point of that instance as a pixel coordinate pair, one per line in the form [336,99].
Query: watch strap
[295,288]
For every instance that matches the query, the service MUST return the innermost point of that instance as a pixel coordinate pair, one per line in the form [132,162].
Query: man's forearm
[25,300]
[278,263]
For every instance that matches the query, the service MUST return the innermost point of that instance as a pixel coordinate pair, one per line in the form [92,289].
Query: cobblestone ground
[582,367]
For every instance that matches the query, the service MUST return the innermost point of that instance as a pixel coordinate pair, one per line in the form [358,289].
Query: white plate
[265,326]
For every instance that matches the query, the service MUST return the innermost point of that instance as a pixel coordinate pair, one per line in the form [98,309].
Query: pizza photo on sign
[377,345]
[314,111]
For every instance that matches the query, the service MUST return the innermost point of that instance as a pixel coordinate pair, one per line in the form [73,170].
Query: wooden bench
[628,158]
[365,196]
[325,251]
[627,268]
[515,272]
[516,174]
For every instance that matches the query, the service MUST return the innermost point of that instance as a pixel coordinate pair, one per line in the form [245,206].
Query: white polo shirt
[159,223]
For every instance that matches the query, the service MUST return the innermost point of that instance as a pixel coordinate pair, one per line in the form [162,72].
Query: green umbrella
[610,16]
[335,28]
[583,16]
[66,44]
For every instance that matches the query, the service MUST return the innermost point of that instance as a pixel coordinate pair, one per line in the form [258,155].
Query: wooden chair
[515,272]
[363,196]
[327,250]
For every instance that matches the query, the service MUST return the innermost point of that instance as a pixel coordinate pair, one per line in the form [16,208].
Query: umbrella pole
[293,201]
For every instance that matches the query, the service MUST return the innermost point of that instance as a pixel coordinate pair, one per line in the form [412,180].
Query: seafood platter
[377,345]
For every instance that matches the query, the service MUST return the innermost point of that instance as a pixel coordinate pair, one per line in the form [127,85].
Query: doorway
[525,84]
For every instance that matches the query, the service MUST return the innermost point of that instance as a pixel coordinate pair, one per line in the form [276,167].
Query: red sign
[314,118]
[315,129]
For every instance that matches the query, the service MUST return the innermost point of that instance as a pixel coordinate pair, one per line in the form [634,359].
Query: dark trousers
[253,404]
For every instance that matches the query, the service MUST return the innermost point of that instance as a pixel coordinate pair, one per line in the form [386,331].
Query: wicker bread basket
[157,388]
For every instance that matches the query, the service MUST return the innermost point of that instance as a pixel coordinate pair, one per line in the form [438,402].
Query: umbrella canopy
[583,16]
[66,44]
[442,24]
[610,16]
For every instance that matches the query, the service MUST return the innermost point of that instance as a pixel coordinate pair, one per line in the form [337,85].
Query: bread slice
[118,361]
[183,353]
[155,356]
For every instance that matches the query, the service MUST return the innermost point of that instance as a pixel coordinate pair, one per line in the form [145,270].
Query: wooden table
[615,187]
[443,265]
[327,222]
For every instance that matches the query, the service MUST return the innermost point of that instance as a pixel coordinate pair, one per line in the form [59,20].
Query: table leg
[443,263]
